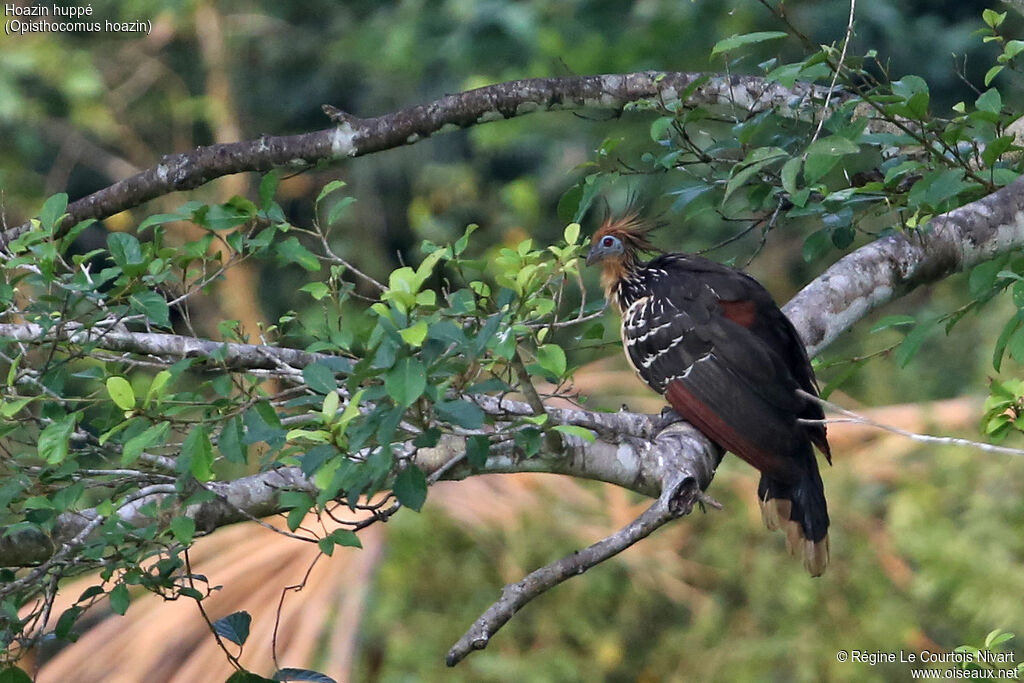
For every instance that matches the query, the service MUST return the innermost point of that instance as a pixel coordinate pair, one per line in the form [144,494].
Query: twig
[857,418]
[674,502]
[551,439]
[835,72]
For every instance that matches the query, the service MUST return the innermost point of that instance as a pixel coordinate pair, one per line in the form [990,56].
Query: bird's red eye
[607,241]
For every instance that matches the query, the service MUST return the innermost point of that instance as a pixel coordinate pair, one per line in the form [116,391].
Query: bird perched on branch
[713,342]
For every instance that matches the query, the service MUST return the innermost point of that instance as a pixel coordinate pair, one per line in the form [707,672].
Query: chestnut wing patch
[719,376]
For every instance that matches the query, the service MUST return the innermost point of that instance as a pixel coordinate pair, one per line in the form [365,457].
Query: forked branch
[687,465]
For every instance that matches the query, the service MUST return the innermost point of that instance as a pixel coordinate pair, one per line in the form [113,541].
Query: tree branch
[237,500]
[888,268]
[353,137]
[685,479]
[224,354]
[833,302]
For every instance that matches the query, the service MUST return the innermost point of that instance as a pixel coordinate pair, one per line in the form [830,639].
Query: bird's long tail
[800,510]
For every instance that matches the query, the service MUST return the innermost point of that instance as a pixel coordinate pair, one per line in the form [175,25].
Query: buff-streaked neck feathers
[628,236]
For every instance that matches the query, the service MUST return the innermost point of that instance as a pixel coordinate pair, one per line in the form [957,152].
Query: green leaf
[1012,49]
[12,408]
[316,457]
[824,154]
[328,189]
[53,209]
[268,188]
[817,245]
[529,440]
[292,251]
[291,674]
[326,546]
[908,86]
[156,388]
[317,290]
[757,160]
[477,448]
[937,187]
[411,487]
[153,306]
[571,234]
[124,249]
[660,127]
[574,430]
[319,378]
[912,342]
[160,219]
[329,407]
[346,538]
[983,278]
[135,446]
[990,101]
[339,208]
[13,674]
[992,17]
[569,203]
[551,357]
[735,41]
[234,627]
[461,413]
[120,599]
[53,440]
[414,336]
[227,216]
[230,444]
[997,637]
[789,173]
[197,454]
[991,74]
[891,321]
[299,502]
[1004,338]
[406,381]
[184,529]
[243,676]
[1016,345]
[121,392]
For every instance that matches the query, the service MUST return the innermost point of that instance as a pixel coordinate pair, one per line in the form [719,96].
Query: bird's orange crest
[630,227]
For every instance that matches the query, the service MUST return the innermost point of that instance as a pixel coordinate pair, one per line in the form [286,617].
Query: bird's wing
[717,374]
[743,300]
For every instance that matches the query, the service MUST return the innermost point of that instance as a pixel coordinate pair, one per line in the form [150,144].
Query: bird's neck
[616,277]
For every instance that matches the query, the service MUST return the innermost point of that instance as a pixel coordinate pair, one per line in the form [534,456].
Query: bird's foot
[667,418]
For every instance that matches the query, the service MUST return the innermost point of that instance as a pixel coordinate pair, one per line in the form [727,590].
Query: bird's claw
[667,418]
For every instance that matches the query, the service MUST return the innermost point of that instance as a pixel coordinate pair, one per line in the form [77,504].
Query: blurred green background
[927,543]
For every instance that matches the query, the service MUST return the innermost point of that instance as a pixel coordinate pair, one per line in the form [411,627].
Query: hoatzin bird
[713,342]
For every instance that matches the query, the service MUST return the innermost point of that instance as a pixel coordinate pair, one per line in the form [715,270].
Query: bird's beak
[594,255]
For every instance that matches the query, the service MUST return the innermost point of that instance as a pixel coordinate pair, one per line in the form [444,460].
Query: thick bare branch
[353,137]
[633,461]
[684,478]
[890,267]
[172,346]
[237,500]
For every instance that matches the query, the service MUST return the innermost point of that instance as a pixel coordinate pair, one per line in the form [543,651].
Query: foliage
[87,427]
[91,429]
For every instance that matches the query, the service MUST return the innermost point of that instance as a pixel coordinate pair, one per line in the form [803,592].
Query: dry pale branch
[353,136]
[687,464]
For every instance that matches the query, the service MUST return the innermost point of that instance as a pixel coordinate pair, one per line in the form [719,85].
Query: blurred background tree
[927,543]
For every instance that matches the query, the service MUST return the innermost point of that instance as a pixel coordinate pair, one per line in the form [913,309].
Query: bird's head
[619,239]
[616,246]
